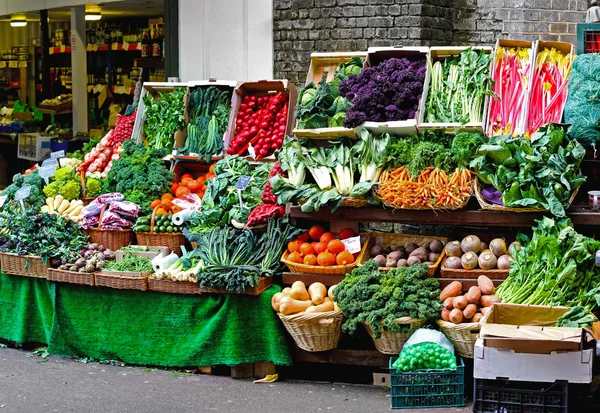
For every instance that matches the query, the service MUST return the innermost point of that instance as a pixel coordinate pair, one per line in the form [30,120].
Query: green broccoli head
[34,179]
[18,179]
[71,190]
[51,190]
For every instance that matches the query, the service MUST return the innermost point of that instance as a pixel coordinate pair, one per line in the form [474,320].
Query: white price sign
[352,244]
[57,154]
[48,162]
[2,200]
[47,172]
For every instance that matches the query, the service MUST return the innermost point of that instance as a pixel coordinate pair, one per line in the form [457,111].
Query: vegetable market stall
[164,329]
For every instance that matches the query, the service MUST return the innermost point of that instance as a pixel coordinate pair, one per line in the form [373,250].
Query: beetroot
[261,214]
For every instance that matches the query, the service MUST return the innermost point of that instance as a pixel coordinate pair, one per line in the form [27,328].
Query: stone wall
[303,26]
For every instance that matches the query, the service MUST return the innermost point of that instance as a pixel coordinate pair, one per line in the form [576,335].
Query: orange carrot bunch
[432,188]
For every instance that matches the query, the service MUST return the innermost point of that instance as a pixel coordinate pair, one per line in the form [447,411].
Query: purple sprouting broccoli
[386,92]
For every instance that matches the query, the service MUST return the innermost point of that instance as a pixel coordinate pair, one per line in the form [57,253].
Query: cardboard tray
[441,53]
[326,64]
[400,127]
[261,88]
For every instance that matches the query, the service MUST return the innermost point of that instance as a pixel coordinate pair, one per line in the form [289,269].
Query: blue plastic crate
[431,388]
[520,397]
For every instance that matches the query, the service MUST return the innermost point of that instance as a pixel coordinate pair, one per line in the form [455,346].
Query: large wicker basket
[112,240]
[392,343]
[362,257]
[484,204]
[25,265]
[173,287]
[315,331]
[171,240]
[463,336]
[72,277]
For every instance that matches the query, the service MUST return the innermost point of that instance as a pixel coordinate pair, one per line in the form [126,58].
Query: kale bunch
[369,296]
[389,91]
[140,175]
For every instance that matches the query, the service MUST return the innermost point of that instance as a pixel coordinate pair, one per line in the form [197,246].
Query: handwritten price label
[23,193]
[352,244]
[243,182]
[47,172]
[57,155]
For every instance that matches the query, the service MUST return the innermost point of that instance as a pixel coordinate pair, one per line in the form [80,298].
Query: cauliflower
[92,187]
[64,174]
[51,190]
[71,190]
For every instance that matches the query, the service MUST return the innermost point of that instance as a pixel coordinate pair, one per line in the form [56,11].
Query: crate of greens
[320,110]
[130,273]
[457,89]
[262,115]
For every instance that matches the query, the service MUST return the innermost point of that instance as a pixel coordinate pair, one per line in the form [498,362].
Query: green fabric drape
[142,327]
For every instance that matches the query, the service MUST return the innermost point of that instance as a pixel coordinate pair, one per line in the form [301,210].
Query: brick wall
[303,26]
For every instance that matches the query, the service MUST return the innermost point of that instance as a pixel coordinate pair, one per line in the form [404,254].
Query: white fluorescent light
[93,16]
[18,23]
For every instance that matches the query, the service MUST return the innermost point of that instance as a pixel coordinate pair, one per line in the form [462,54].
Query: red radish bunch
[261,122]
[123,128]
[261,214]
[101,157]
[267,195]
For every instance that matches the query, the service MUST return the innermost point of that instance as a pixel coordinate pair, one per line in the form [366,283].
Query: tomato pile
[187,185]
[261,122]
[318,247]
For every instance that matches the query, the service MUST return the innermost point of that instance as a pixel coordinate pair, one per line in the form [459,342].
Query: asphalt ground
[31,383]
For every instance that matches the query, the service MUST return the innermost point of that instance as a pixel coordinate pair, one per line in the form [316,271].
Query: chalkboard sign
[243,182]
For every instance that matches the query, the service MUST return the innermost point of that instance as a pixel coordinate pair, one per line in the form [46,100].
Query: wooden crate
[324,65]
[377,55]
[261,88]
[262,285]
[442,53]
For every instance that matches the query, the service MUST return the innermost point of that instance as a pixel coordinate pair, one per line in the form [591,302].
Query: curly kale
[389,91]
[369,296]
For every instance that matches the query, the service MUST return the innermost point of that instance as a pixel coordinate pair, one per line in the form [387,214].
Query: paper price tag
[139,46]
[352,244]
[125,45]
[243,182]
[49,162]
[251,151]
[63,49]
[57,155]
[23,193]
[89,47]
[2,200]
[95,48]
[47,172]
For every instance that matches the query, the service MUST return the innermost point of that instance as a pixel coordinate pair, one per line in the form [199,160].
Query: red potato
[489,300]
[456,316]
[477,318]
[452,290]
[485,285]
[460,302]
[448,303]
[445,315]
[485,310]
[473,295]
[470,311]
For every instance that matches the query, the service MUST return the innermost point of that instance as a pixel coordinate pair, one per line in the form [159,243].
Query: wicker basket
[25,265]
[72,277]
[463,336]
[385,239]
[120,282]
[385,176]
[315,331]
[362,257]
[171,240]
[113,240]
[349,202]
[84,198]
[494,207]
[392,343]
[173,287]
[496,274]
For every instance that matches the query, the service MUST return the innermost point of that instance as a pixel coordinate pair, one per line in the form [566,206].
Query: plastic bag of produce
[125,209]
[426,350]
[93,209]
[112,218]
[108,198]
[90,222]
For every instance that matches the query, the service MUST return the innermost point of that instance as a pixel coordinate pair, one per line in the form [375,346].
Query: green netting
[142,327]
[582,109]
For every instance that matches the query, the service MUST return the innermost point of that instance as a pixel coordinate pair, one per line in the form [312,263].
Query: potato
[460,302]
[477,318]
[485,310]
[473,295]
[456,316]
[470,311]
[421,253]
[452,290]
[489,300]
[485,285]
[448,303]
[445,315]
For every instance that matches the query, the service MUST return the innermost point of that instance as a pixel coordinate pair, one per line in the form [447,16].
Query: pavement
[33,383]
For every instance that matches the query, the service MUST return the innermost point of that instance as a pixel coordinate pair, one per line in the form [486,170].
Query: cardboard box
[494,363]
[529,329]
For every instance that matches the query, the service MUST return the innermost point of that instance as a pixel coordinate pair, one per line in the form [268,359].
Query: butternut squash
[288,305]
[286,291]
[336,307]
[299,291]
[330,291]
[276,301]
[327,305]
[317,292]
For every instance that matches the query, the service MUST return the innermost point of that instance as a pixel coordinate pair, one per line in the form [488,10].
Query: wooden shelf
[288,278]
[53,112]
[372,358]
[580,215]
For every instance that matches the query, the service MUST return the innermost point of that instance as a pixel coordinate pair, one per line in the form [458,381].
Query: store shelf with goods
[115,47]
[579,214]
[150,62]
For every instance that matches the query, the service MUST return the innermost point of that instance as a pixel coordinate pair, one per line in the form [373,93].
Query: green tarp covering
[142,327]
